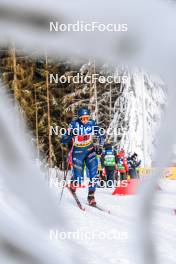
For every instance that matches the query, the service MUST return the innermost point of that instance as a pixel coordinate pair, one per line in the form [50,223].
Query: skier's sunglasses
[85,118]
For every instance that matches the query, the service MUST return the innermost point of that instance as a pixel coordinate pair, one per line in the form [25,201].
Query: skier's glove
[99,149]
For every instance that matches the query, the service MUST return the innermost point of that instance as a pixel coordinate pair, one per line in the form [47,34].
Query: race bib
[109,160]
[83,140]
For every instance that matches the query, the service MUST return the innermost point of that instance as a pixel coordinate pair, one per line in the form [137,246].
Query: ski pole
[66,172]
[65,175]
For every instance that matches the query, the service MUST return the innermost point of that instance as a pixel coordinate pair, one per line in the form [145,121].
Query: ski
[100,208]
[76,199]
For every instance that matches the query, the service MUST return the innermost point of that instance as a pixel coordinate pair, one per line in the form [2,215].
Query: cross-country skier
[109,161]
[81,131]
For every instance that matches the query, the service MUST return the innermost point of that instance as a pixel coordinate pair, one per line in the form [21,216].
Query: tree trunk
[49,115]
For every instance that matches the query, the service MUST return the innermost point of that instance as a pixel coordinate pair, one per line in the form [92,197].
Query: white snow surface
[90,236]
[95,242]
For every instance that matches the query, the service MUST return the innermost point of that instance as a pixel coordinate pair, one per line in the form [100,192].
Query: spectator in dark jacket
[133,164]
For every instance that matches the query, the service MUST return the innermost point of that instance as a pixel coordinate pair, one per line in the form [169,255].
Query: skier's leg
[78,167]
[92,165]
[110,178]
[101,178]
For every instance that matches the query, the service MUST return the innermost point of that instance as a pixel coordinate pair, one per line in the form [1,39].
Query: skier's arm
[67,137]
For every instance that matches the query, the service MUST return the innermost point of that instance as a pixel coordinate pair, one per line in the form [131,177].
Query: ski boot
[91,198]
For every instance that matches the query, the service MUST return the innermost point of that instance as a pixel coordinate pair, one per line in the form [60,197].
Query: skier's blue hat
[83,111]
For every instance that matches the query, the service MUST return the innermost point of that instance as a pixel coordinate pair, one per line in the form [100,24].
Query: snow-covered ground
[96,237]
[111,238]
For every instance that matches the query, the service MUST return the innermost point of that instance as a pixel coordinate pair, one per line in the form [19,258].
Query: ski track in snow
[121,219]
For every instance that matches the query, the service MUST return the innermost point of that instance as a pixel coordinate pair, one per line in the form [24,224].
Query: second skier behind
[109,161]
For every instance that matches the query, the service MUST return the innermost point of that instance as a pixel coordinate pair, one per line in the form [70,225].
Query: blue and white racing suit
[83,150]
